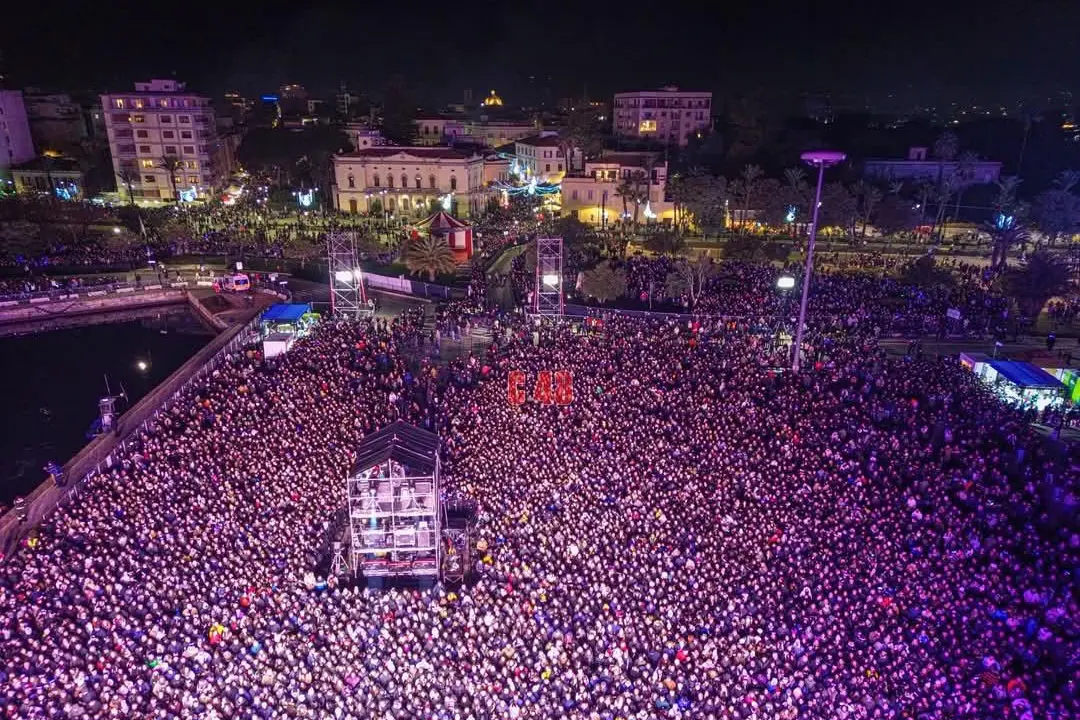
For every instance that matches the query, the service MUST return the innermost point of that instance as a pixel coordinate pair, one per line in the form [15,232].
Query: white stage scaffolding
[394,510]
[347,296]
[548,295]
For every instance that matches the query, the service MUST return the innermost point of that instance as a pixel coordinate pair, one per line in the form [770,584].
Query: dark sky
[926,51]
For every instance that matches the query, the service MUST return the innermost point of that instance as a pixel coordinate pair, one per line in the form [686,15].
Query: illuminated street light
[820,159]
[141,365]
[345,276]
[785,282]
[116,230]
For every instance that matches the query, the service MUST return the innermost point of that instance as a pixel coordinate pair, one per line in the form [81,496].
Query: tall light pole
[820,159]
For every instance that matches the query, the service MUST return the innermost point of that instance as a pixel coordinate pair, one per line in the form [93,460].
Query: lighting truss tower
[548,297]
[347,296]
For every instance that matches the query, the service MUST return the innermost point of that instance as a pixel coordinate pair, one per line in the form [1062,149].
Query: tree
[707,201]
[170,164]
[965,175]
[128,178]
[895,215]
[430,254]
[604,282]
[924,272]
[1006,227]
[398,113]
[745,188]
[868,197]
[1043,276]
[292,158]
[689,278]
[838,208]
[1057,209]
[796,197]
[665,243]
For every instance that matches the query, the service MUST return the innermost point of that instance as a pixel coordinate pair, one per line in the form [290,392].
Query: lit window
[352,181]
[147,163]
[647,126]
[193,165]
[138,103]
[119,102]
[138,118]
[193,179]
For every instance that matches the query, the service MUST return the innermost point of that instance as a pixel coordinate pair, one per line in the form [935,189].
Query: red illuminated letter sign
[564,387]
[543,393]
[515,387]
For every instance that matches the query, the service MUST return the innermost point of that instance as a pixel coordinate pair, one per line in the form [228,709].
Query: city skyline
[921,54]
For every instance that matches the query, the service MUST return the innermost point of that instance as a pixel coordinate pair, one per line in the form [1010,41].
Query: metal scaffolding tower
[548,297]
[347,296]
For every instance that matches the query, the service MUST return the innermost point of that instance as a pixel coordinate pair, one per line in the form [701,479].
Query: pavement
[1023,348]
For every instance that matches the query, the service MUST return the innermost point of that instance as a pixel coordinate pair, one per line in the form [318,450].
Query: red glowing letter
[515,391]
[543,393]
[564,387]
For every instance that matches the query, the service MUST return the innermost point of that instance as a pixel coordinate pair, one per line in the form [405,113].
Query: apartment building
[593,195]
[165,139]
[669,115]
[540,157]
[16,144]
[56,121]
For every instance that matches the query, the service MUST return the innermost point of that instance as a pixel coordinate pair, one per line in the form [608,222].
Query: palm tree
[625,190]
[1006,228]
[745,187]
[170,164]
[639,180]
[868,197]
[798,194]
[128,178]
[430,254]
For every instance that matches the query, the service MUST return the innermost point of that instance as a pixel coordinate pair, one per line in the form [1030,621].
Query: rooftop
[436,152]
[540,140]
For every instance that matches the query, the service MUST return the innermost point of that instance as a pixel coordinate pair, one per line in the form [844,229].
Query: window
[192,165]
[119,103]
[352,182]
[193,179]
[168,134]
[391,204]
[144,148]
[419,183]
[647,126]
[189,149]
[124,133]
[142,134]
[185,119]
[201,119]
[404,204]
[375,180]
[573,194]
[166,119]
[126,149]
[547,167]
[404,180]
[121,117]
[138,118]
[146,163]
[149,179]
[163,102]
[389,181]
[431,181]
[352,205]
[185,134]
[589,194]
[170,149]
[453,183]
[137,103]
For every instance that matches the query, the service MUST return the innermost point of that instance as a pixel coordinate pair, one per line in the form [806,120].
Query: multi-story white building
[159,127]
[595,195]
[669,115]
[411,181]
[540,157]
[16,144]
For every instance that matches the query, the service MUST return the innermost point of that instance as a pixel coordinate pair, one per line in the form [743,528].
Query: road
[388,304]
[1025,346]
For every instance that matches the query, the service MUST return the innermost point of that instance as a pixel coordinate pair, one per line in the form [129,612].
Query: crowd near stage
[688,535]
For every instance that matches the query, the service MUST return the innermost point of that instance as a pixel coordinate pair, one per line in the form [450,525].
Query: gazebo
[458,234]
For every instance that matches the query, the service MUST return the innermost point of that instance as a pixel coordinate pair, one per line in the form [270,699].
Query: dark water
[53,381]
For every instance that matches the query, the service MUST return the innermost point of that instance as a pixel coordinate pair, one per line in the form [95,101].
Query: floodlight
[785,282]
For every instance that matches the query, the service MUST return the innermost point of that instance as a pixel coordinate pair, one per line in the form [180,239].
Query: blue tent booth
[1024,384]
[282,324]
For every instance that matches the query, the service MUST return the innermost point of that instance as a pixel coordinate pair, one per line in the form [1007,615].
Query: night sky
[919,51]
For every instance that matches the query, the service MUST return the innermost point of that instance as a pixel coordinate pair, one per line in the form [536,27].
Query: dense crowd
[696,535]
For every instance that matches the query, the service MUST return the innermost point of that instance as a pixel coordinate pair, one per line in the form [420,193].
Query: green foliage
[665,243]
[604,282]
[925,273]
[1043,276]
[429,255]
[292,157]
[748,248]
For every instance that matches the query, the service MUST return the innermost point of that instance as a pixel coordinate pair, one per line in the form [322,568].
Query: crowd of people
[696,534]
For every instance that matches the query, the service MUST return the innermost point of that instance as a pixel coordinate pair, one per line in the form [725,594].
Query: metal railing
[88,291]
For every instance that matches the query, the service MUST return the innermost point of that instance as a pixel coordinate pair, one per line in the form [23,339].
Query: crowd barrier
[74,293]
[412,287]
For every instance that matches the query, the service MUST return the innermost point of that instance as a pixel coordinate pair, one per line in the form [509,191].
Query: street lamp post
[820,159]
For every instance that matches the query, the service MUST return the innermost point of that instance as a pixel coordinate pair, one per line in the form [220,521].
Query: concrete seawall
[87,303]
